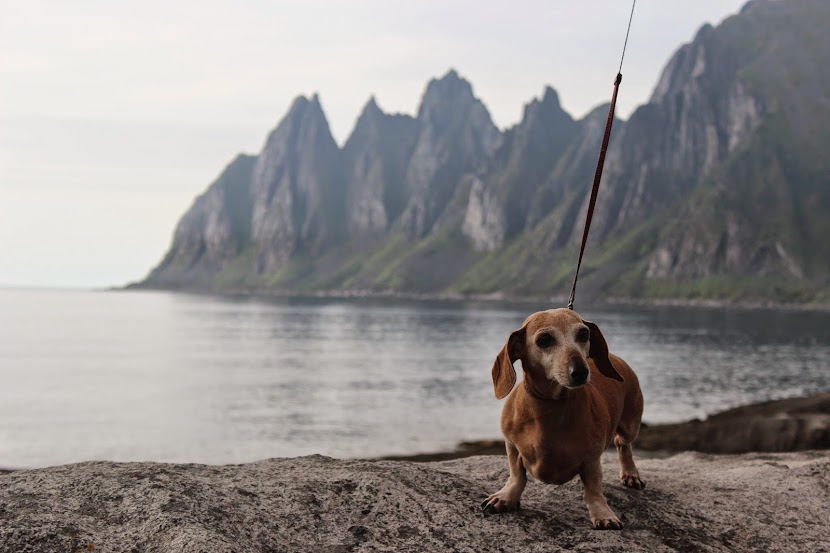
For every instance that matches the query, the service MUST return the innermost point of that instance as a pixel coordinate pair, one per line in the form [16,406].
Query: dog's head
[554,347]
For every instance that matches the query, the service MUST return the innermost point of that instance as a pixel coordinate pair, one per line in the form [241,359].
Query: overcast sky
[114,115]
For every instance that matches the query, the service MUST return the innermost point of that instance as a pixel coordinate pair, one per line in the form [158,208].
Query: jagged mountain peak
[371,112]
[371,105]
[547,108]
[456,137]
[704,31]
[754,5]
[550,96]
[452,77]
[444,94]
[298,103]
[304,112]
[316,110]
[375,160]
[302,104]
[373,124]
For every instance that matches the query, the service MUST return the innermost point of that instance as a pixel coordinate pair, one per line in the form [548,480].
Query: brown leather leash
[600,163]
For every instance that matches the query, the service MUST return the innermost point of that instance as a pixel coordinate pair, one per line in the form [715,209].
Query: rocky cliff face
[456,137]
[213,232]
[718,186]
[701,110]
[296,188]
[376,159]
[506,201]
[769,178]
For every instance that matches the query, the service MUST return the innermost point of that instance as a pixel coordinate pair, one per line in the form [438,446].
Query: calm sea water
[189,378]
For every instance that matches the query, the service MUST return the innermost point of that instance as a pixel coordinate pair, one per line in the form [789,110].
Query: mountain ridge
[715,188]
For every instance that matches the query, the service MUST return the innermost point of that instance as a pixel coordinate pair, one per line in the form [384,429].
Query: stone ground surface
[693,502]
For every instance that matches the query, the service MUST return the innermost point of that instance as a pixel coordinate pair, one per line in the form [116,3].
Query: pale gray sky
[114,115]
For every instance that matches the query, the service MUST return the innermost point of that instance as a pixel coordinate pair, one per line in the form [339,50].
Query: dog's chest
[552,461]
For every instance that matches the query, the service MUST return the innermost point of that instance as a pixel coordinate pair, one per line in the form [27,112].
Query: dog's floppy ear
[504,375]
[599,353]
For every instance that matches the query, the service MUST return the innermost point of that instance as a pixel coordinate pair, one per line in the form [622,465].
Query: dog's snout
[578,372]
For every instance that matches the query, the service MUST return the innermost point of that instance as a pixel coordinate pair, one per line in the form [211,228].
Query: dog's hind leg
[507,498]
[602,517]
[629,475]
[626,432]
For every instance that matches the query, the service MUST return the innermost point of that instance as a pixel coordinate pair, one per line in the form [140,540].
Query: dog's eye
[583,335]
[544,340]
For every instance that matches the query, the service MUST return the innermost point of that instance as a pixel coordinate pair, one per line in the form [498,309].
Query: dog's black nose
[579,372]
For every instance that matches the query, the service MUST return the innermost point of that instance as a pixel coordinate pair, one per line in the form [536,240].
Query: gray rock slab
[693,502]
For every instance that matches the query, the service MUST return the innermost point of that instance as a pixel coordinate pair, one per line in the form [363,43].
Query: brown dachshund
[575,398]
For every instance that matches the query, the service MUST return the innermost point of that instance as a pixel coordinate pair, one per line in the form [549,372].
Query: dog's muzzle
[578,372]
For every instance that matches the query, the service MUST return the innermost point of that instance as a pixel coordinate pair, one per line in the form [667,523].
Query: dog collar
[562,395]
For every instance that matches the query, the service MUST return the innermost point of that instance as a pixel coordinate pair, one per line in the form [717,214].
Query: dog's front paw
[632,481]
[500,502]
[611,523]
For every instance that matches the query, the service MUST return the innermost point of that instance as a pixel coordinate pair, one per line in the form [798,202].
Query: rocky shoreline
[794,424]
[693,502]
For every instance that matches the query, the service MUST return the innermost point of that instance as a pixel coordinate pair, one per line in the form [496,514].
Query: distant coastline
[498,297]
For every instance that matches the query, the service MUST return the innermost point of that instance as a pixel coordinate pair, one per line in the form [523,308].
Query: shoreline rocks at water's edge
[773,426]
[794,424]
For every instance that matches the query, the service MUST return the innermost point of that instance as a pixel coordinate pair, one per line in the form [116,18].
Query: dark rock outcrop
[773,426]
[795,424]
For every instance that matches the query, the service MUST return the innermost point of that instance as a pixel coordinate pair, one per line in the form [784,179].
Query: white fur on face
[556,360]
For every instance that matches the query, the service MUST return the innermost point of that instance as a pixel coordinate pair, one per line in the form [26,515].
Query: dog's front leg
[507,498]
[602,517]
